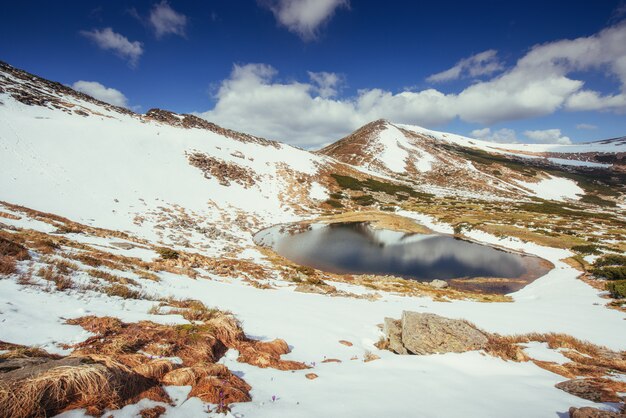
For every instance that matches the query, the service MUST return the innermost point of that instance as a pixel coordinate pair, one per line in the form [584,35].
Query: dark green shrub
[337,196]
[586,249]
[596,200]
[617,288]
[167,253]
[334,203]
[611,272]
[365,200]
[611,260]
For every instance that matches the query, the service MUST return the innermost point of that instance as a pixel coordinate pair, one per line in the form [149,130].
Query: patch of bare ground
[125,362]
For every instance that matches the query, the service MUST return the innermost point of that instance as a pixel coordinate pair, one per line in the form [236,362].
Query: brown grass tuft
[7,265]
[94,383]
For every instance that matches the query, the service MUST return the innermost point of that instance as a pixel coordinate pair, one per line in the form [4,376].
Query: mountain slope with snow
[459,164]
[119,187]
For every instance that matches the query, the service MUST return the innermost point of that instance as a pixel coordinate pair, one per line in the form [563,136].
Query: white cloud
[110,41]
[483,63]
[165,20]
[503,136]
[326,83]
[310,113]
[548,136]
[303,17]
[586,126]
[100,92]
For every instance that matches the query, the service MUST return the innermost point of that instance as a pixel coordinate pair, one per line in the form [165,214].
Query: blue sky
[310,71]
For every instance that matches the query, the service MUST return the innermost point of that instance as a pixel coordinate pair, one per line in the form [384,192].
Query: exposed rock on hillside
[425,333]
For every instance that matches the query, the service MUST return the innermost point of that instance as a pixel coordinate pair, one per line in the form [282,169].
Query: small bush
[365,200]
[13,249]
[337,196]
[63,282]
[334,203]
[88,260]
[586,249]
[611,260]
[7,265]
[122,291]
[167,253]
[148,275]
[596,200]
[610,272]
[65,267]
[617,288]
[305,270]
[111,278]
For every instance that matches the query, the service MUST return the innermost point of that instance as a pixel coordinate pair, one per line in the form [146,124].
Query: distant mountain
[439,160]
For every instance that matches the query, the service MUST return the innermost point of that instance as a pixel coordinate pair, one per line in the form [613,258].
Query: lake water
[357,248]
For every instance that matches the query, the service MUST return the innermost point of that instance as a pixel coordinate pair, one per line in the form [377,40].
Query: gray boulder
[393,331]
[426,333]
[438,284]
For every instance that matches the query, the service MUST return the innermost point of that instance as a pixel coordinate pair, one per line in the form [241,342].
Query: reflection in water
[357,248]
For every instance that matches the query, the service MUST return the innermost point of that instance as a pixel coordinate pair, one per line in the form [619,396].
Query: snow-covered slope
[443,162]
[161,176]
[184,182]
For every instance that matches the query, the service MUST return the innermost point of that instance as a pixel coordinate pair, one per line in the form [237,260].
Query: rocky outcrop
[594,389]
[588,412]
[426,333]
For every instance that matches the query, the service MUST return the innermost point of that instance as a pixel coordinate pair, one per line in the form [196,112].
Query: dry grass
[15,351]
[378,219]
[111,278]
[589,363]
[7,265]
[97,384]
[61,282]
[123,291]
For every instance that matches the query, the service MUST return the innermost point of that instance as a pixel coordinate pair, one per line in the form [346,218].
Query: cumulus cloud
[483,63]
[326,84]
[303,17]
[586,126]
[308,113]
[100,92]
[120,45]
[165,21]
[548,136]
[503,136]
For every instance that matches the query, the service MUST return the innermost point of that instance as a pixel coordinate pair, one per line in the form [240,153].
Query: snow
[554,188]
[394,151]
[577,163]
[541,351]
[108,170]
[610,147]
[318,192]
[394,156]
[477,382]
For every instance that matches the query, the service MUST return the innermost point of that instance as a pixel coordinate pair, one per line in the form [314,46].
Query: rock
[311,376]
[595,389]
[438,284]
[346,343]
[393,330]
[425,333]
[588,412]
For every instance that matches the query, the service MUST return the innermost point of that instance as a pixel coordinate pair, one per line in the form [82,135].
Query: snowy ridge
[100,165]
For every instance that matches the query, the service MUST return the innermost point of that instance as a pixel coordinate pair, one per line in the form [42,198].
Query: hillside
[128,251]
[455,164]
